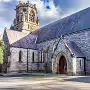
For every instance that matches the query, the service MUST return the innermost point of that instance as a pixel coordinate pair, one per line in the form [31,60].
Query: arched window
[44,56]
[20,56]
[32,16]
[33,57]
[80,62]
[41,56]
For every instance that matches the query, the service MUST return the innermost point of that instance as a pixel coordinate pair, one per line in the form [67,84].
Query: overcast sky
[59,9]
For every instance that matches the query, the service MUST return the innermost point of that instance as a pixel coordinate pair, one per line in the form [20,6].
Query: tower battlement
[26,17]
[27,4]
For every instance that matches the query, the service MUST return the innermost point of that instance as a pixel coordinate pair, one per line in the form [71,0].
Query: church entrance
[62,66]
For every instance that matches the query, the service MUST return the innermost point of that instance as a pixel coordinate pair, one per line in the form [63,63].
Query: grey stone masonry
[82,40]
[16,66]
[50,58]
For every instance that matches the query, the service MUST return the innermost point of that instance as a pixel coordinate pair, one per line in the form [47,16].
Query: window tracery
[32,16]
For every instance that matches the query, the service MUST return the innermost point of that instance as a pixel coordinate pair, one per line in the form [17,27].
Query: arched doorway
[62,65]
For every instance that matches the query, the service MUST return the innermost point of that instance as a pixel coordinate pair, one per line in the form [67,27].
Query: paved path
[46,82]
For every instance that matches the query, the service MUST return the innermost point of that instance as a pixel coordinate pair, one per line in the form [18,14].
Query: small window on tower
[24,9]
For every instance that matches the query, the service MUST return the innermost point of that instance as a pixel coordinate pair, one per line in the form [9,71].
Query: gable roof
[14,36]
[71,24]
[74,23]
[28,42]
[19,39]
[75,49]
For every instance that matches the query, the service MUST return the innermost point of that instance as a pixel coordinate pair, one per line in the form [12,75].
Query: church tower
[26,18]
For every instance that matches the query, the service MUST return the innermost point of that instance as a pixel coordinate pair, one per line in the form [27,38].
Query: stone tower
[26,18]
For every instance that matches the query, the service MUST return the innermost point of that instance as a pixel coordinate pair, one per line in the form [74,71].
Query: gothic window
[41,56]
[20,56]
[44,56]
[33,57]
[80,63]
[47,51]
[32,16]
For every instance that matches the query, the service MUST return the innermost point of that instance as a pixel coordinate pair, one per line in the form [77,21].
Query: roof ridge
[78,20]
[65,17]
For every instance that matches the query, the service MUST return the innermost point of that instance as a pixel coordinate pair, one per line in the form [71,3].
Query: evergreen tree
[2,48]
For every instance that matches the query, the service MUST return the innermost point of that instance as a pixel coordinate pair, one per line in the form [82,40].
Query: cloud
[4,24]
[5,18]
[7,13]
[79,5]
[83,3]
[47,15]
[5,0]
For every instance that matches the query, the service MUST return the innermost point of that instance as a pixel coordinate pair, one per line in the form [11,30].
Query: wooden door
[62,67]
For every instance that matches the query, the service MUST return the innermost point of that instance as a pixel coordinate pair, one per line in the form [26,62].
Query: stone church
[62,47]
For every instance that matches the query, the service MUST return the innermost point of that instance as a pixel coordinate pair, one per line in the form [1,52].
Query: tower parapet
[27,4]
[26,17]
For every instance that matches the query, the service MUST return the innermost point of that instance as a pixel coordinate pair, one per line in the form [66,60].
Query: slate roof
[28,42]
[74,23]
[75,49]
[71,24]
[14,36]
[20,39]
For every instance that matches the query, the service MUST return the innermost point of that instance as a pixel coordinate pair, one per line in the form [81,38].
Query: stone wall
[53,62]
[16,66]
[82,39]
[78,66]
[88,67]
